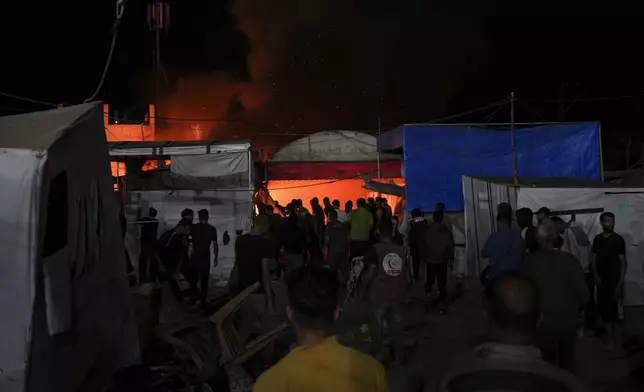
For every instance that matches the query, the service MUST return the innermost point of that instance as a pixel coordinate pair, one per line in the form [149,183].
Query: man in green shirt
[361,222]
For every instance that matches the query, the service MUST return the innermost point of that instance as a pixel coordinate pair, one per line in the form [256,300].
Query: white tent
[67,320]
[216,176]
[563,196]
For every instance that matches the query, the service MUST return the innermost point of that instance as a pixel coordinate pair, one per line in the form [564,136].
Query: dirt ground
[433,341]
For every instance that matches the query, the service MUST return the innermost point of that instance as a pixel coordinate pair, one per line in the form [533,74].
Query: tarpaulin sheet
[436,156]
[210,165]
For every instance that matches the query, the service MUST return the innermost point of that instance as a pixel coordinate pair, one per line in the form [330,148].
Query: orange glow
[151,165]
[129,132]
[118,169]
[343,190]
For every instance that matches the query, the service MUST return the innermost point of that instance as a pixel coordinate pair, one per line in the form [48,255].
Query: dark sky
[289,66]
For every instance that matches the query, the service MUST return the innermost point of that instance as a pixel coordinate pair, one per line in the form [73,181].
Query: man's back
[509,368]
[338,235]
[361,222]
[562,288]
[506,251]
[149,229]
[250,250]
[438,243]
[325,367]
[203,234]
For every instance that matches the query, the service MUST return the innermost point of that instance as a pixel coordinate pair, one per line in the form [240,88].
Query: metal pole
[158,56]
[514,144]
[378,148]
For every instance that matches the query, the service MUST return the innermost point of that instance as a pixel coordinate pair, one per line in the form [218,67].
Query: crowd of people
[541,281]
[574,277]
[185,250]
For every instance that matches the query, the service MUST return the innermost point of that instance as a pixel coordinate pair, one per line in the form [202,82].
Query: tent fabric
[229,210]
[176,148]
[332,170]
[210,165]
[63,267]
[483,196]
[331,146]
[436,156]
[388,189]
[39,130]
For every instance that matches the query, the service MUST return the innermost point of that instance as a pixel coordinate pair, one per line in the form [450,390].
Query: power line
[25,99]
[120,9]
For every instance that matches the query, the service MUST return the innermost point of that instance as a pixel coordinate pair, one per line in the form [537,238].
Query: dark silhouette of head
[416,213]
[504,210]
[543,213]
[512,302]
[326,201]
[336,203]
[361,202]
[152,212]
[203,216]
[524,217]
[440,206]
[312,299]
[547,234]
[188,214]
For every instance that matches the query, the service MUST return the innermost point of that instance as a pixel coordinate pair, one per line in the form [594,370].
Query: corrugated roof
[39,130]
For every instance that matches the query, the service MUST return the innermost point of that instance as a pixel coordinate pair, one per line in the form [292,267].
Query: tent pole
[514,144]
[601,155]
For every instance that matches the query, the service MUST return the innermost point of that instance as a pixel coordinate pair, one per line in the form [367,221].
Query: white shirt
[342,216]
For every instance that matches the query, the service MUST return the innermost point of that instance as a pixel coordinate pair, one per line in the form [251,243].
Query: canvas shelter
[564,197]
[435,156]
[216,176]
[330,164]
[67,321]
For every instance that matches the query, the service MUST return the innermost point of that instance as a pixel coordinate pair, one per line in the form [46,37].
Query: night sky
[277,67]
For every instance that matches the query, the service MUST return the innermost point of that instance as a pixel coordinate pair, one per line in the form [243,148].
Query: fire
[343,190]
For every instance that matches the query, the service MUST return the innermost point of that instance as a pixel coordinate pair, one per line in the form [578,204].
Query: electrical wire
[25,99]
[120,9]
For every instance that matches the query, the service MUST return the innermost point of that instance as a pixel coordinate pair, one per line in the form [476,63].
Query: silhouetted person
[437,251]
[147,259]
[417,227]
[348,206]
[361,223]
[387,277]
[188,214]
[336,241]
[609,268]
[203,236]
[172,249]
[562,295]
[319,363]
[528,231]
[505,248]
[510,362]
[342,215]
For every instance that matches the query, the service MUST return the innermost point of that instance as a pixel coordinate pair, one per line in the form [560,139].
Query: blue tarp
[436,156]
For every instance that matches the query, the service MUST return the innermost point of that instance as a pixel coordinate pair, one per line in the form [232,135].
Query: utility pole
[514,144]
[158,20]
